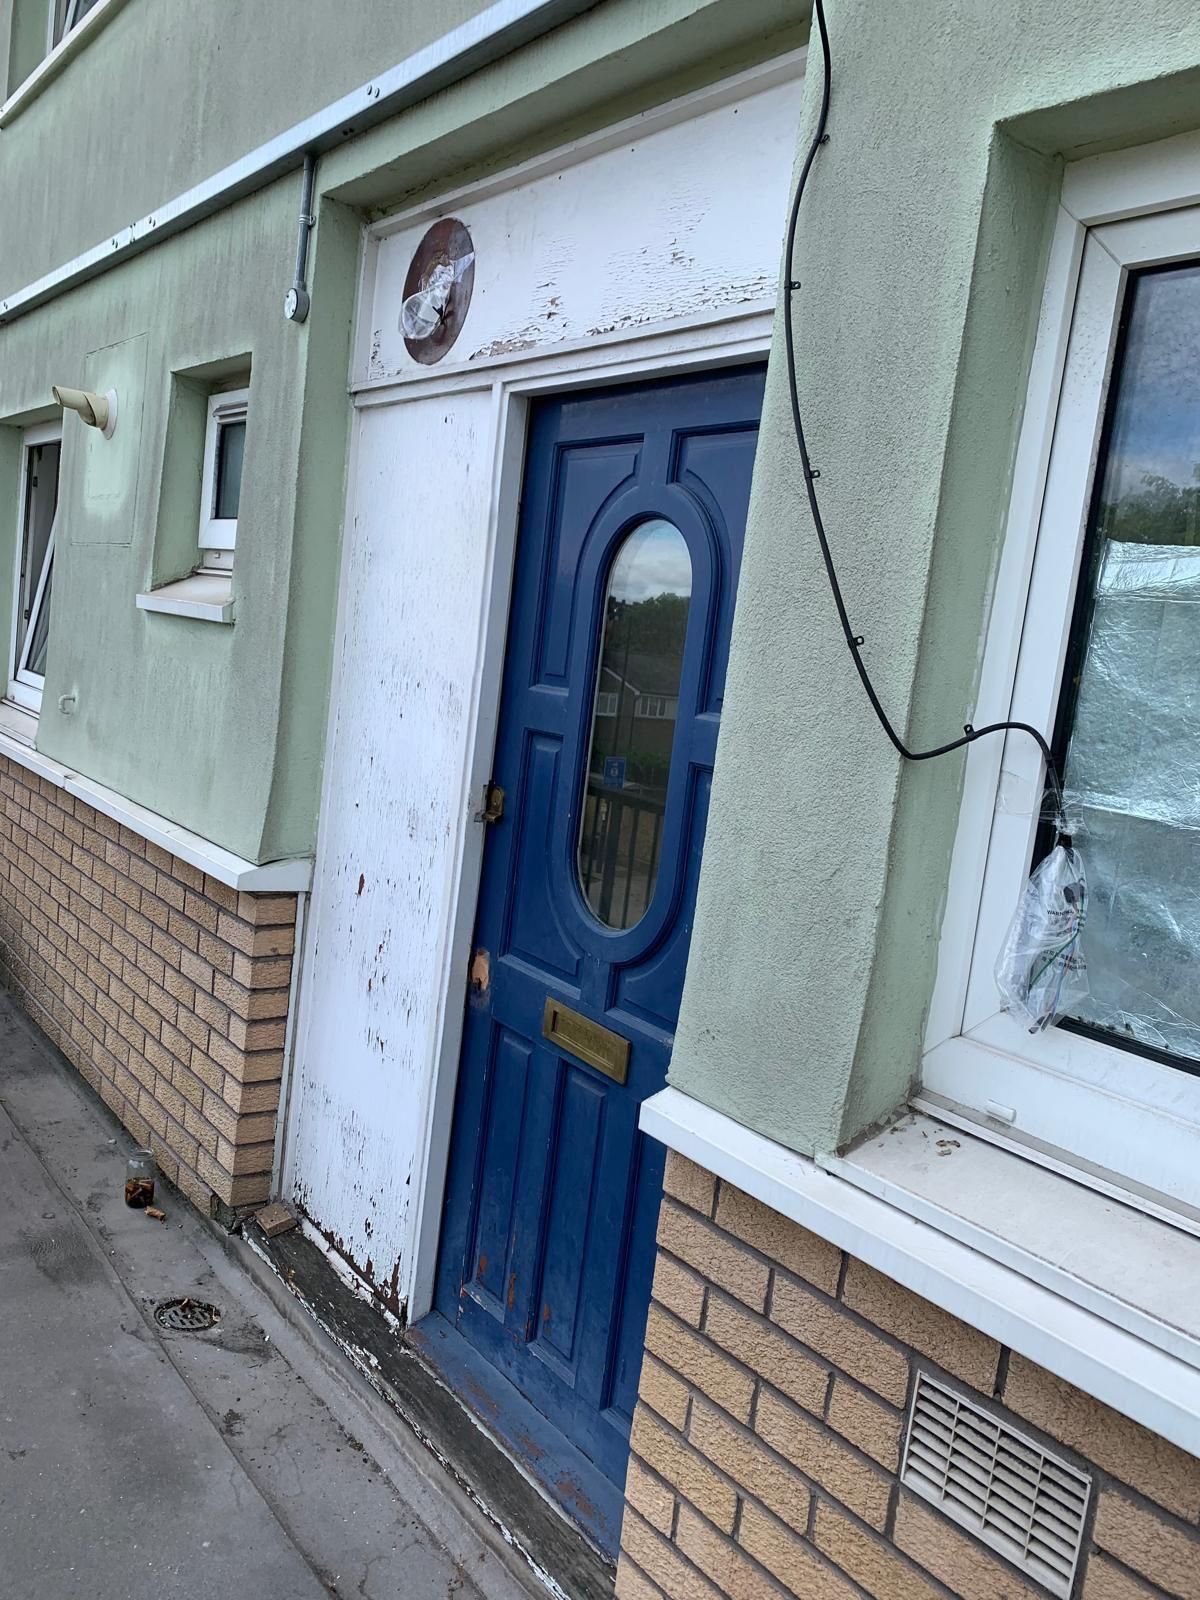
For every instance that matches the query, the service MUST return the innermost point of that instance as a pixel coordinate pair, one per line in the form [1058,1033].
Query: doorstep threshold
[396,1367]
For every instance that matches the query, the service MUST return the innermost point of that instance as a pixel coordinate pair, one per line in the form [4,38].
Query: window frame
[656,707]
[61,20]
[219,533]
[1119,1120]
[25,687]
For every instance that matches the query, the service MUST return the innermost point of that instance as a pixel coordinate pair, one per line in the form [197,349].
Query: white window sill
[18,723]
[206,597]
[50,66]
[1133,1269]
[1097,1293]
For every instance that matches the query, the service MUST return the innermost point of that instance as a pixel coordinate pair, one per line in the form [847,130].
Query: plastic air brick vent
[1028,1505]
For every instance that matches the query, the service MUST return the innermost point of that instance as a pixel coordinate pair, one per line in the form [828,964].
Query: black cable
[853,640]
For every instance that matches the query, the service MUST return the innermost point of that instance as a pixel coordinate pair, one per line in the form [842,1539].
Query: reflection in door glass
[633,722]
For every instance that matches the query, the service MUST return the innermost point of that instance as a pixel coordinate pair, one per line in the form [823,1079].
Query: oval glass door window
[634,712]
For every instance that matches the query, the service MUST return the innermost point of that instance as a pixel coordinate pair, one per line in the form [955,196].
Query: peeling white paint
[680,219]
[393,810]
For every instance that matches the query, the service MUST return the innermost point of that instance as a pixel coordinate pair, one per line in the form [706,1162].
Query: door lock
[493,803]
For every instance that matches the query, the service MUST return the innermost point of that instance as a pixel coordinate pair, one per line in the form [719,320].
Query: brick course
[766,1444]
[164,987]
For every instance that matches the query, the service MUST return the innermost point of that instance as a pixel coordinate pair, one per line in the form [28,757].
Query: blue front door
[630,538]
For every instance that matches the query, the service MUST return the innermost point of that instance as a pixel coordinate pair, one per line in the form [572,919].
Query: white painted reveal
[664,233]
[669,217]
[383,891]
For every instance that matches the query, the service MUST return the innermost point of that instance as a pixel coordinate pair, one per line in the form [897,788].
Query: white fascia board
[1124,1372]
[293,876]
[498,30]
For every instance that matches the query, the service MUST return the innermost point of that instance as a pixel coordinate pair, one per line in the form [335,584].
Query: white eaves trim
[500,28]
[1105,1361]
[49,67]
[292,876]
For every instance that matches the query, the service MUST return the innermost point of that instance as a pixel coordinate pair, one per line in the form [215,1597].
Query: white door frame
[706,347]
[731,336]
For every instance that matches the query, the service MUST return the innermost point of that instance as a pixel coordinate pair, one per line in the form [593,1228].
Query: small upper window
[41,454]
[64,15]
[221,490]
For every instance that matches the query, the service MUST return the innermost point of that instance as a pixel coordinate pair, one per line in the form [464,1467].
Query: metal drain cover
[186,1315]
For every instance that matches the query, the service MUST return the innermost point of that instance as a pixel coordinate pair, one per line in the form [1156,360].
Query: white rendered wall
[383,889]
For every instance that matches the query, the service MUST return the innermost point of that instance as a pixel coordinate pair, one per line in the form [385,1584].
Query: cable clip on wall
[1041,972]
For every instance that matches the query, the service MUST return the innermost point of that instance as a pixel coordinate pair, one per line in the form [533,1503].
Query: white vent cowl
[1028,1505]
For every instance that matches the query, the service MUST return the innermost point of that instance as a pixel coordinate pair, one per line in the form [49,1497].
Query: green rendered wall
[222,729]
[922,251]
[167,93]
[182,715]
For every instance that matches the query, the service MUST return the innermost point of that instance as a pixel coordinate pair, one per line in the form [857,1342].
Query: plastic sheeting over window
[1133,782]
[1133,756]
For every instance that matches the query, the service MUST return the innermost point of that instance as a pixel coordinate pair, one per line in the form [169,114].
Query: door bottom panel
[561,1471]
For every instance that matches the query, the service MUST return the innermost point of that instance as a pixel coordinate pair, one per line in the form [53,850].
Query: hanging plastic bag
[1041,972]
[421,314]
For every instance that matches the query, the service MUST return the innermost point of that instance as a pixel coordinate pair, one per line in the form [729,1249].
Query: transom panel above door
[630,539]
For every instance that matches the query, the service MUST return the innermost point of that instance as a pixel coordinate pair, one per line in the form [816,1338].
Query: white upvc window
[1094,637]
[221,486]
[655,707]
[41,451]
[606,703]
[63,16]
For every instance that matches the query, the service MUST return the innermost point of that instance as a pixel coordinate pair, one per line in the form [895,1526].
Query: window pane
[633,722]
[69,12]
[231,446]
[1133,756]
[41,500]
[41,629]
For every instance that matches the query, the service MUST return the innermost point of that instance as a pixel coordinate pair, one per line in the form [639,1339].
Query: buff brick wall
[165,988]
[766,1444]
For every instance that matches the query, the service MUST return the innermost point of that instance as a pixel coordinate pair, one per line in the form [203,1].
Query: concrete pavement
[140,1464]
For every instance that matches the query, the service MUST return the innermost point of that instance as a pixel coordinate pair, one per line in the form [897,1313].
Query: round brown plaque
[447,243]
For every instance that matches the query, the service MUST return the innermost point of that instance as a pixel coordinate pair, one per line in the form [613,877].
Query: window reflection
[635,707]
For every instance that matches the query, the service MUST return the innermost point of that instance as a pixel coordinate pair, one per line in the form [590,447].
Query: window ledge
[206,597]
[1128,1267]
[1083,1286]
[18,723]
[49,67]
[293,875]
